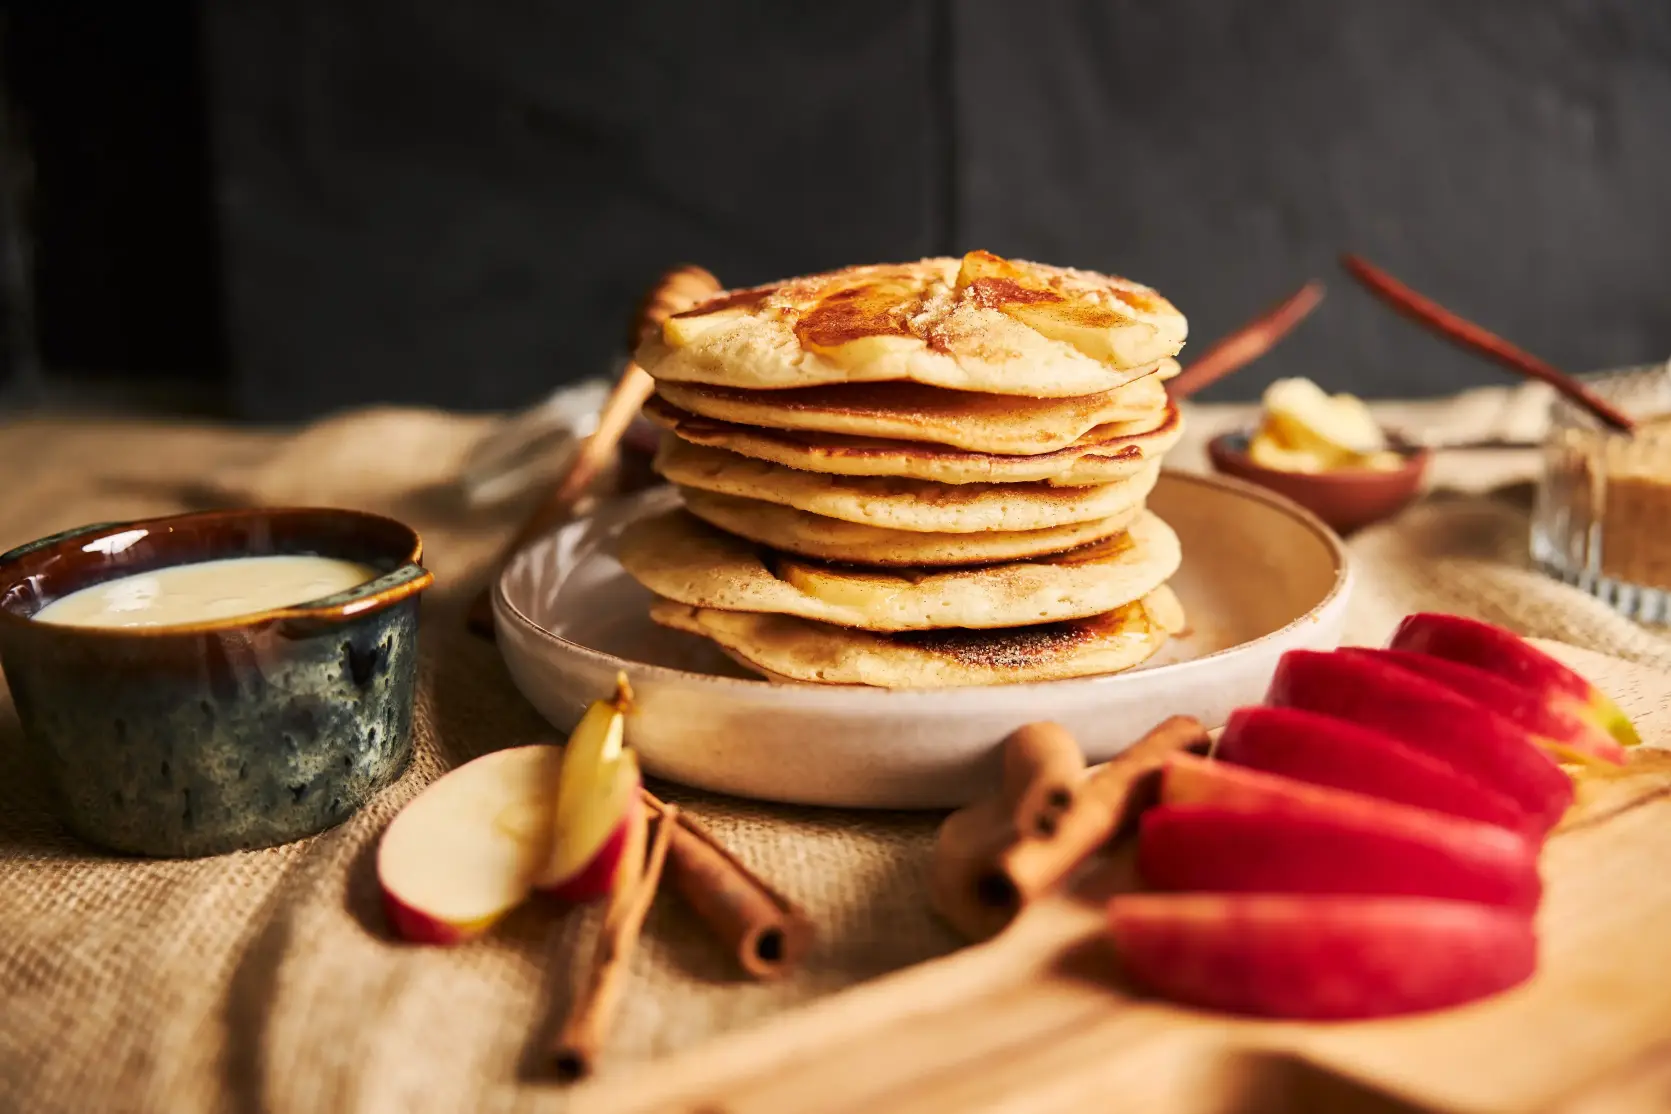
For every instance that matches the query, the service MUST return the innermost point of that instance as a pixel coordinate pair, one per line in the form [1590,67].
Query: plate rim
[801,692]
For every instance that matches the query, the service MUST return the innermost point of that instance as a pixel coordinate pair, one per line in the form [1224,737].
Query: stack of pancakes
[916,475]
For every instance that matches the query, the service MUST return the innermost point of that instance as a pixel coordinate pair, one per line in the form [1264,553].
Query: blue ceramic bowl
[246,732]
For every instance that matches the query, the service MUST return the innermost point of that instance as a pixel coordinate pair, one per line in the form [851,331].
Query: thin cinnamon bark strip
[766,932]
[1464,333]
[583,1034]
[1108,802]
[677,290]
[1247,344]
[1043,766]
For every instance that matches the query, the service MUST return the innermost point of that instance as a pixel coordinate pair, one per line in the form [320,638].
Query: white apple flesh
[466,850]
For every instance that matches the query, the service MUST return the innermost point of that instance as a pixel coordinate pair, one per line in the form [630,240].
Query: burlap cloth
[266,982]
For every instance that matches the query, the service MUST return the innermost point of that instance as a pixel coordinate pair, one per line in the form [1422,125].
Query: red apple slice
[1319,958]
[1332,752]
[596,802]
[1393,850]
[466,850]
[1426,715]
[590,839]
[1558,727]
[1190,780]
[1512,658]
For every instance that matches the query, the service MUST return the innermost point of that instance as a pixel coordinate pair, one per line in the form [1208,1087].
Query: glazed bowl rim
[838,696]
[404,581]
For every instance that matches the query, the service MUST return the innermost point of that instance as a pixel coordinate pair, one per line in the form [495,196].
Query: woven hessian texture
[266,982]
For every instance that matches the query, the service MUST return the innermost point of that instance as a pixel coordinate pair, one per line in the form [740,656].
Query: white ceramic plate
[1259,576]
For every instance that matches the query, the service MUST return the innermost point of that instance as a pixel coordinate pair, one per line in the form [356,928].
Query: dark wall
[105,104]
[426,201]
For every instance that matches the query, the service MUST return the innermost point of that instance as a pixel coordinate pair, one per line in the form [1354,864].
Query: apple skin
[1190,780]
[597,878]
[1331,752]
[1284,849]
[418,927]
[1556,722]
[1319,958]
[1426,715]
[1512,658]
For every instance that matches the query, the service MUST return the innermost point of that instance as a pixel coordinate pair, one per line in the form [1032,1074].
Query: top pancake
[980,324]
[981,423]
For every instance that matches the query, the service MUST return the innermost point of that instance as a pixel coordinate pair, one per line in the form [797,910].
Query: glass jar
[1602,520]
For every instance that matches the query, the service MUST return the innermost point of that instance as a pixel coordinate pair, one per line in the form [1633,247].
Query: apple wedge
[1558,727]
[1512,658]
[597,798]
[1426,715]
[1104,332]
[1331,752]
[589,842]
[1371,847]
[1187,779]
[1319,958]
[467,849]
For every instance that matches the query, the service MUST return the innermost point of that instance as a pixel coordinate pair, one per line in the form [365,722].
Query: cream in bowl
[204,591]
[213,682]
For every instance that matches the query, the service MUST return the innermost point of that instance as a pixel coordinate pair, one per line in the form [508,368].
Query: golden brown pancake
[830,539]
[897,504]
[912,412]
[1107,453]
[785,647]
[980,323]
[677,556]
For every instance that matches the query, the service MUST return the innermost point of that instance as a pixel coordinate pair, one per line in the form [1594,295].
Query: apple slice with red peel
[1512,658]
[1371,848]
[1319,958]
[1430,717]
[596,800]
[1190,780]
[466,850]
[1558,728]
[1331,752]
[589,841]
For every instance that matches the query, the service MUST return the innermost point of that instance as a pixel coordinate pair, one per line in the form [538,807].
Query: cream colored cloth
[266,982]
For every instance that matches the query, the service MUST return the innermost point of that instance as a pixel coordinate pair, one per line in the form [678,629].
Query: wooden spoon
[1466,334]
[1251,341]
[677,290]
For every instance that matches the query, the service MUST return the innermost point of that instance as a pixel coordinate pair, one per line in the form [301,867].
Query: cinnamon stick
[1042,769]
[982,874]
[1240,348]
[1464,333]
[593,1012]
[677,290]
[766,932]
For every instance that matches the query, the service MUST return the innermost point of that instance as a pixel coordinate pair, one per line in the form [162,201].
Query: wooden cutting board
[1036,1020]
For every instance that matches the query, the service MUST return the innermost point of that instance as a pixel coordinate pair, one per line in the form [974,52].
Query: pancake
[979,323]
[980,423]
[830,539]
[680,558]
[896,504]
[1107,453]
[785,647]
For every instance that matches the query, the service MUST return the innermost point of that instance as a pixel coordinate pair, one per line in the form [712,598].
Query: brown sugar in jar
[1603,514]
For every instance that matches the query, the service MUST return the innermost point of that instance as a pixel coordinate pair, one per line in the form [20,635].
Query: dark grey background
[427,201]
